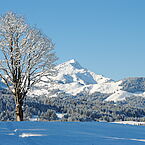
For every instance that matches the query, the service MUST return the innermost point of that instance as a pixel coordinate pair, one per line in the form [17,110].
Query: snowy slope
[72,79]
[119,96]
[70,133]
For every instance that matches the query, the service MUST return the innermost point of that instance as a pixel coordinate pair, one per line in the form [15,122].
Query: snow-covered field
[70,133]
[130,122]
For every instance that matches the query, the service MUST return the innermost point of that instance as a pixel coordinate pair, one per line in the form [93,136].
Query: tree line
[79,108]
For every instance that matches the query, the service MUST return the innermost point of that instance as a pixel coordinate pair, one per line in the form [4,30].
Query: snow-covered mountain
[73,79]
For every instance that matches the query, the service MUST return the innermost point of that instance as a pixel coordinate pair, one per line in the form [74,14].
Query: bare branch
[27,55]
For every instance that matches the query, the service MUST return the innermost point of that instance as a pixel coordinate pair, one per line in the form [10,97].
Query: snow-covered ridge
[72,79]
[72,71]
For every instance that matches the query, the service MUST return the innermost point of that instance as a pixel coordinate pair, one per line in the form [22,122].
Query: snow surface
[30,134]
[130,122]
[70,133]
[72,79]
[119,96]
[60,115]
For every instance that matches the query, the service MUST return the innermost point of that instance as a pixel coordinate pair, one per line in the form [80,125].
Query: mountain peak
[71,63]
[74,63]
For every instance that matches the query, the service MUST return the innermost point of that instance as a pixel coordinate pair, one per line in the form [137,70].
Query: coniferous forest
[82,107]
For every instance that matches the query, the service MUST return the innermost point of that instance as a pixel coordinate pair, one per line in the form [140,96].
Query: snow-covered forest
[80,108]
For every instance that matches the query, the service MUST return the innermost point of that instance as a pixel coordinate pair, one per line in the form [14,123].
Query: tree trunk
[19,111]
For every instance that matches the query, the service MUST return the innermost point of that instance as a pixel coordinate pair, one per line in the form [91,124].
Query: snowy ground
[130,122]
[70,133]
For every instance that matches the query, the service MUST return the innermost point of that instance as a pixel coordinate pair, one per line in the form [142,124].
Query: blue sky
[105,36]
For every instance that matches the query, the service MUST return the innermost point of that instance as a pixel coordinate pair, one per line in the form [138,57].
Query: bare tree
[26,57]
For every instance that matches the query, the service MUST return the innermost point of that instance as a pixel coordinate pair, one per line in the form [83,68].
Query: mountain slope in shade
[73,79]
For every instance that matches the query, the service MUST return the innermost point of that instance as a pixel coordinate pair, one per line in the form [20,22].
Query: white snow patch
[143,140]
[99,78]
[118,138]
[108,87]
[141,94]
[34,118]
[60,115]
[130,122]
[30,135]
[72,88]
[119,96]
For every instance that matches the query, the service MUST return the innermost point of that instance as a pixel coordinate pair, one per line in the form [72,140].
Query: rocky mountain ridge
[73,79]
